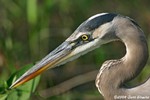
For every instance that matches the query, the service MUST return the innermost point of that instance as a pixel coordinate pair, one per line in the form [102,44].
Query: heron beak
[53,59]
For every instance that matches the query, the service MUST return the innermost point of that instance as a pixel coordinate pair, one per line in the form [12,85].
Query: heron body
[114,74]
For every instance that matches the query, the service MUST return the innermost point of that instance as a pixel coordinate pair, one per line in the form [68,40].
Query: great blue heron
[92,33]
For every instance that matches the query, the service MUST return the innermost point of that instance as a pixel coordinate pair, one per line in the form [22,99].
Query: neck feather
[111,81]
[136,49]
[136,56]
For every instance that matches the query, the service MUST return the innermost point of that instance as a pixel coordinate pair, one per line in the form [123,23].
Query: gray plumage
[114,74]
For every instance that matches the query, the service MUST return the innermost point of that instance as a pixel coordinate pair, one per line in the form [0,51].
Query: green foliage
[23,92]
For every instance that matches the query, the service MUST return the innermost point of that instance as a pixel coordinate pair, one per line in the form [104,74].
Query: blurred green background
[30,29]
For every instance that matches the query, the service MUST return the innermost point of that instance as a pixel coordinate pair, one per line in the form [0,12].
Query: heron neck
[131,65]
[136,56]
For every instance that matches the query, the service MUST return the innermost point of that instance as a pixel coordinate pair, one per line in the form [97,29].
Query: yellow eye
[84,37]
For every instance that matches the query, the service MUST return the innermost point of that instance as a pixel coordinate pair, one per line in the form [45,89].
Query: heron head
[92,33]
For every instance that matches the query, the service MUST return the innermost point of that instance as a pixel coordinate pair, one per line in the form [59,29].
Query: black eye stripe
[94,23]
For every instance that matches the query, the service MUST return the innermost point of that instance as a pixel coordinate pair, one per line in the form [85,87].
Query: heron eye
[84,37]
